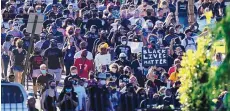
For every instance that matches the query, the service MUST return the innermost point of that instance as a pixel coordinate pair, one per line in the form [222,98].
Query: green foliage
[201,83]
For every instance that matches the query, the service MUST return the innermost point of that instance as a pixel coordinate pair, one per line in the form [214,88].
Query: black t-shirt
[124,78]
[53,55]
[43,81]
[36,61]
[123,49]
[182,8]
[19,57]
[59,37]
[67,105]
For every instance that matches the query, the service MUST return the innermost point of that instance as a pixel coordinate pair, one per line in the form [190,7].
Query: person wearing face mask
[38,9]
[123,48]
[54,58]
[58,36]
[69,50]
[67,101]
[98,95]
[171,36]
[41,42]
[114,73]
[103,57]
[18,60]
[72,74]
[43,79]
[26,40]
[6,55]
[189,42]
[124,78]
[50,97]
[15,30]
[84,65]
[122,61]
[51,19]
[35,62]
[31,101]
[81,92]
[141,95]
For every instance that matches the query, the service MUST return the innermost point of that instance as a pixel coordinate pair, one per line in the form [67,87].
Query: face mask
[102,82]
[73,74]
[19,46]
[181,30]
[43,71]
[38,11]
[65,16]
[123,42]
[123,58]
[70,32]
[68,90]
[52,87]
[126,72]
[85,85]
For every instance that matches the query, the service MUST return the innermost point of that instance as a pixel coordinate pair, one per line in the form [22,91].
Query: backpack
[186,43]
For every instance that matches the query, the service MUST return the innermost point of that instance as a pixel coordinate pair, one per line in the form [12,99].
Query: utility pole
[29,50]
[191,15]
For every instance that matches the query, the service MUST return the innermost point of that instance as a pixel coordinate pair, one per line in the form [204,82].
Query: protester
[54,57]
[35,62]
[43,79]
[18,60]
[50,97]
[67,101]
[92,42]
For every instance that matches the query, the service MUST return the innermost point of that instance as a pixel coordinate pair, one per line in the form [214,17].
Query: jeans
[6,60]
[183,21]
[68,64]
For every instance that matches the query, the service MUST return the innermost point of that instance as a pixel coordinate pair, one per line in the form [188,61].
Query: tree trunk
[191,15]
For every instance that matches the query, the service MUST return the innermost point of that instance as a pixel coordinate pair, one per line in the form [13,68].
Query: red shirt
[83,67]
[171,70]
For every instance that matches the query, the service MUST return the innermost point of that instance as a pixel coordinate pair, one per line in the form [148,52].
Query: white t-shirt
[81,93]
[190,45]
[78,55]
[102,60]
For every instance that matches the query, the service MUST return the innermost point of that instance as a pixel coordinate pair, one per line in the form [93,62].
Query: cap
[122,55]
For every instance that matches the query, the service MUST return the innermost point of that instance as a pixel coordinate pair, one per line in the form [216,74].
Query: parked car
[13,97]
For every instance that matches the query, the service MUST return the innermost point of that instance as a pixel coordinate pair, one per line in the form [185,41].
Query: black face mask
[52,87]
[70,32]
[19,46]
[91,76]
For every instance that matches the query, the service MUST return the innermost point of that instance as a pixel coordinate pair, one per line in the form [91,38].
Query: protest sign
[135,46]
[154,57]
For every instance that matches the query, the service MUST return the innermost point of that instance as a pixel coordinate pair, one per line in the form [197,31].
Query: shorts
[34,80]
[17,69]
[56,73]
[36,73]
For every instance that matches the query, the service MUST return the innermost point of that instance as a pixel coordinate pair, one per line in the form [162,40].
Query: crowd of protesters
[87,40]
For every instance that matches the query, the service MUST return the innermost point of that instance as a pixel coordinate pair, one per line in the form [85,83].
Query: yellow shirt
[174,77]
